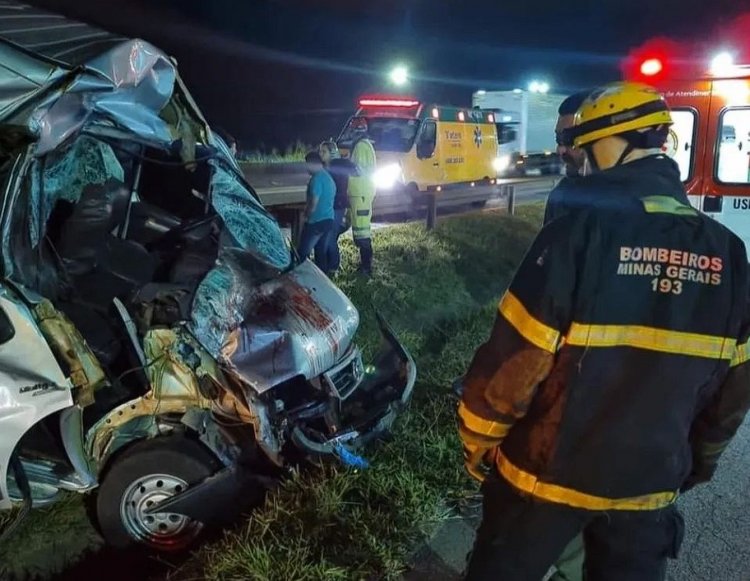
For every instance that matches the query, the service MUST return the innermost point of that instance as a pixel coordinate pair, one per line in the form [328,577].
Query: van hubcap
[162,530]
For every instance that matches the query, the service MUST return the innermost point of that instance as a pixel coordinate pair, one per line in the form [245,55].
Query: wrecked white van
[161,345]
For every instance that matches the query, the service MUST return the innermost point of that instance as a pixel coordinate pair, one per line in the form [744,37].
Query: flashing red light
[388,103]
[651,67]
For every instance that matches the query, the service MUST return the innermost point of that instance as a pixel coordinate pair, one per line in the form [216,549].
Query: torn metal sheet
[297,324]
[128,85]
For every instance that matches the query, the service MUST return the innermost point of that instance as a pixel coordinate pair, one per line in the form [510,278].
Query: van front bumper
[367,411]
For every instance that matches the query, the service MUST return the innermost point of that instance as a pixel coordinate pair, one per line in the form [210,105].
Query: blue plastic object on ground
[349,458]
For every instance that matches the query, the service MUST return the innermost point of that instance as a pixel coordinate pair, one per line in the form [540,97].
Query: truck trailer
[525,123]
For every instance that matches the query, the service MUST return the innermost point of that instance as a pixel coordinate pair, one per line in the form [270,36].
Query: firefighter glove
[478,461]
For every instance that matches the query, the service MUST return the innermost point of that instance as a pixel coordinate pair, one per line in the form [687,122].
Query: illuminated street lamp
[399,75]
[538,87]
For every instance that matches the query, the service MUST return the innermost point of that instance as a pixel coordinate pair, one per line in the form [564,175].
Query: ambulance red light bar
[382,102]
[651,67]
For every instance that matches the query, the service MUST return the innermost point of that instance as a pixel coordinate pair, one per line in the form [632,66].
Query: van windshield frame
[392,134]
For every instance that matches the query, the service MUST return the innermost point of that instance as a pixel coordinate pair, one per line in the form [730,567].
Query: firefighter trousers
[520,539]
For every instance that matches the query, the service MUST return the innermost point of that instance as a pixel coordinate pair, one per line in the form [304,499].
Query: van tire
[148,472]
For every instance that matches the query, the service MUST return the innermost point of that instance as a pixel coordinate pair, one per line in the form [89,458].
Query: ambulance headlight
[500,164]
[386,177]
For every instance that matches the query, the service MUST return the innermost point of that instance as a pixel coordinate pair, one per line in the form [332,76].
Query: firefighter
[617,370]
[571,157]
[569,567]
[574,192]
[361,197]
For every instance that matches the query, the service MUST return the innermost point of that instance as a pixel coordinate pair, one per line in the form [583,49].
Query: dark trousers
[333,256]
[520,539]
[315,236]
[365,253]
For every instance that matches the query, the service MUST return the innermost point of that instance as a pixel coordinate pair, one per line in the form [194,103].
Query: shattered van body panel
[32,385]
[129,86]
[84,371]
[297,324]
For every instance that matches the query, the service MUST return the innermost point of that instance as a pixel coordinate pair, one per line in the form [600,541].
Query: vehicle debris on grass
[439,289]
[364,524]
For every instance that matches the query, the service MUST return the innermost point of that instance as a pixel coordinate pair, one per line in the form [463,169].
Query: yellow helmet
[619,108]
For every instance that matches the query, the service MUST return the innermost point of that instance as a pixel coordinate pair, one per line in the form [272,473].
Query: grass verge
[439,290]
[295,152]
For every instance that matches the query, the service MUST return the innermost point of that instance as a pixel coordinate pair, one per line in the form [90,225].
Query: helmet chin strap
[652,139]
[589,149]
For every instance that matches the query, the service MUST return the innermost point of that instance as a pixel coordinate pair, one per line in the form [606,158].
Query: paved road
[717,536]
[717,518]
[286,186]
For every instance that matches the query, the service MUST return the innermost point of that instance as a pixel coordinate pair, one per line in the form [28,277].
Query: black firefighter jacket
[617,369]
[610,187]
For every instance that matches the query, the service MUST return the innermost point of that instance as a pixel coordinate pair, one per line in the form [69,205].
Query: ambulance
[423,147]
[710,138]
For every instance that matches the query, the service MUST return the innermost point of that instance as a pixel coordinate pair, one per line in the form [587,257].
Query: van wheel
[148,473]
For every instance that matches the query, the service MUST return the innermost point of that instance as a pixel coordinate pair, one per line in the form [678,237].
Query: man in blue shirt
[321,192]
[341,169]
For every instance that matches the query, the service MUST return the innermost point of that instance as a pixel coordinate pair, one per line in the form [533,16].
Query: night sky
[272,71]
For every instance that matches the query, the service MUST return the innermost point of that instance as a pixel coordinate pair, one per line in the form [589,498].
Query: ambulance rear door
[726,167]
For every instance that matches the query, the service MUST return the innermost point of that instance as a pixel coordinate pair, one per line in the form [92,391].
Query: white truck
[525,130]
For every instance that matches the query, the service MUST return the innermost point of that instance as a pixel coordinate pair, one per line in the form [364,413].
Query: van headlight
[500,164]
[386,177]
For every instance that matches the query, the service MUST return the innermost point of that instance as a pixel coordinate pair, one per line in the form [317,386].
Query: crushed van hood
[299,324]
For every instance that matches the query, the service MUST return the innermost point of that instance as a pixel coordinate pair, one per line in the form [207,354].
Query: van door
[687,142]
[430,169]
[729,177]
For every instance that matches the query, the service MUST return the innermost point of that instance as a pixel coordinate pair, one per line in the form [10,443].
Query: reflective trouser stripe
[362,232]
[530,484]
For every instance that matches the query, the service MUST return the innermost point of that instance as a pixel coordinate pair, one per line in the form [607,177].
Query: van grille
[345,377]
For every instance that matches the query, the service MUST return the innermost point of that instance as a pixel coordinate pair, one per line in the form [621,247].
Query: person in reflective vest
[618,368]
[361,197]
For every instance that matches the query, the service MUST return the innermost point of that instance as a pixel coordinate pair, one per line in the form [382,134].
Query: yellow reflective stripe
[530,484]
[741,355]
[479,425]
[469,438]
[533,330]
[666,205]
[707,449]
[652,339]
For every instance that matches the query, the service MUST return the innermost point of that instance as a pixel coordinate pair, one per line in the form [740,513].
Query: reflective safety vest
[362,189]
[618,366]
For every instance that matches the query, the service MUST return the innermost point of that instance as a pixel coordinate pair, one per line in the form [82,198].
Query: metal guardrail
[282,188]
